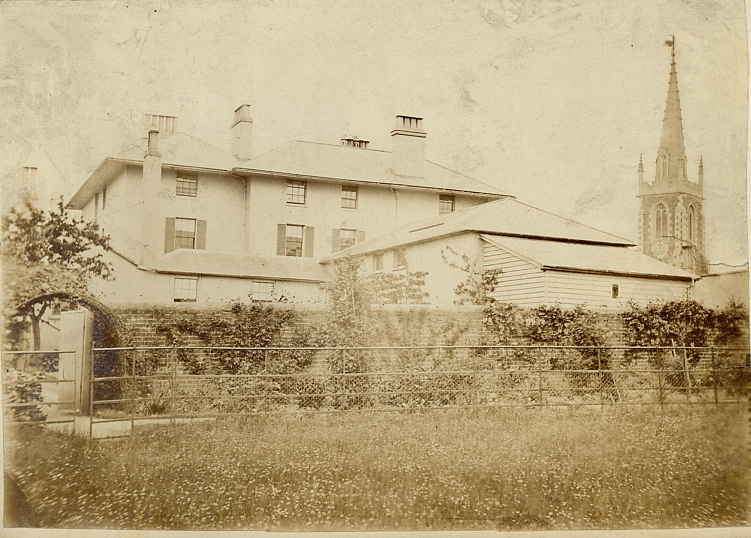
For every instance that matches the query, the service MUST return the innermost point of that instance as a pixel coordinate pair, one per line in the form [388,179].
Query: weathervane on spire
[671,43]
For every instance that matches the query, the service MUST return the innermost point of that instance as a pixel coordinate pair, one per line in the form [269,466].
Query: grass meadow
[506,469]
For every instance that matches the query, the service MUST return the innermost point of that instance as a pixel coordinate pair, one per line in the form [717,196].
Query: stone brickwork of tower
[671,215]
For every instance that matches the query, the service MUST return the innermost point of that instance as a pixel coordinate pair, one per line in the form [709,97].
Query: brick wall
[140,321]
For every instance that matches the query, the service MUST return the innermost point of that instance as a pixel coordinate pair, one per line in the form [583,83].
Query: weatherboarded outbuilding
[543,258]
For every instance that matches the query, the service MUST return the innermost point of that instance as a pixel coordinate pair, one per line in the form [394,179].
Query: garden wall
[140,324]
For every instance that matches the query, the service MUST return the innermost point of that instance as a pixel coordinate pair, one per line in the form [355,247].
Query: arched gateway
[98,327]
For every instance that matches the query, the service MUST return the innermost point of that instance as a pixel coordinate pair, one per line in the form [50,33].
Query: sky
[550,101]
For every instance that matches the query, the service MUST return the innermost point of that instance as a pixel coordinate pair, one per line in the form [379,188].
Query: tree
[46,252]
[479,282]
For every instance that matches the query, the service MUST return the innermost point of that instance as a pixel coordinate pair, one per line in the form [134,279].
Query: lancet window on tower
[691,224]
[661,221]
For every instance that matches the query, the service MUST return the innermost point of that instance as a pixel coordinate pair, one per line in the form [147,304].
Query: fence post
[91,395]
[539,373]
[660,394]
[173,386]
[602,379]
[714,376]
[133,394]
[687,375]
[475,380]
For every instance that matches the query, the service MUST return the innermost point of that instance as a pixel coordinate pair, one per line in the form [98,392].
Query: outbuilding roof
[579,257]
[506,216]
[311,160]
[188,261]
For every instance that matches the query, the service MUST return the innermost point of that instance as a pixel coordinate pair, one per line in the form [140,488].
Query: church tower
[671,218]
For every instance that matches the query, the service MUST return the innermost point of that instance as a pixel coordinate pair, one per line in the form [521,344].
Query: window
[691,223]
[615,291]
[445,204]
[347,238]
[349,197]
[187,186]
[185,233]
[293,242]
[400,258]
[262,291]
[296,192]
[186,290]
[378,262]
[104,197]
[661,221]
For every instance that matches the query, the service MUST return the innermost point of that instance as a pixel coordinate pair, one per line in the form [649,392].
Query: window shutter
[360,236]
[201,235]
[169,235]
[309,235]
[335,241]
[281,240]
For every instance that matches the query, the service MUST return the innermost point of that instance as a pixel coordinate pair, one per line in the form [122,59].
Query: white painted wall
[571,289]
[442,279]
[520,281]
[525,284]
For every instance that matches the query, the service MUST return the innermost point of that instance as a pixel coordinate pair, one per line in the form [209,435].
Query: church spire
[671,157]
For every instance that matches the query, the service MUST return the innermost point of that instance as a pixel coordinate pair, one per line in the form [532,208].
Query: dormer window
[186,186]
[355,142]
[446,204]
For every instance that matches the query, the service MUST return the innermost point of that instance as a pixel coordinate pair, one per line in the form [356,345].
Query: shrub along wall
[396,324]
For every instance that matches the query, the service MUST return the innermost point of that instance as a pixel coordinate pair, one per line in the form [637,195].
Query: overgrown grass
[548,468]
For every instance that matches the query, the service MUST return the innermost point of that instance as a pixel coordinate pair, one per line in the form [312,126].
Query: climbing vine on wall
[239,325]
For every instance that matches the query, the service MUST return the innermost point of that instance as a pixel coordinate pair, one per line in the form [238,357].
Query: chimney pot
[30,175]
[408,146]
[153,150]
[354,142]
[242,133]
[164,124]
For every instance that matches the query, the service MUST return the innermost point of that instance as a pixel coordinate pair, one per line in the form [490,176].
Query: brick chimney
[242,134]
[408,147]
[152,225]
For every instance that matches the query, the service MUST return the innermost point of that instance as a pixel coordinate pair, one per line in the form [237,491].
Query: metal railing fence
[25,400]
[177,382]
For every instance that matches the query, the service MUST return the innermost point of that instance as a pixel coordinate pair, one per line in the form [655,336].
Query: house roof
[298,159]
[311,160]
[580,257]
[192,262]
[506,216]
[178,150]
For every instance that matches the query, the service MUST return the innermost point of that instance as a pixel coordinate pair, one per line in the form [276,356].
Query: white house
[192,222]
[543,258]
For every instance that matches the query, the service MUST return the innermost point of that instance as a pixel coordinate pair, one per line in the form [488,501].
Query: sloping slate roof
[505,217]
[179,150]
[590,258]
[315,160]
[240,265]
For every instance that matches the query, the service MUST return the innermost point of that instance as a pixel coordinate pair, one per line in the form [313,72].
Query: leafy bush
[18,390]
